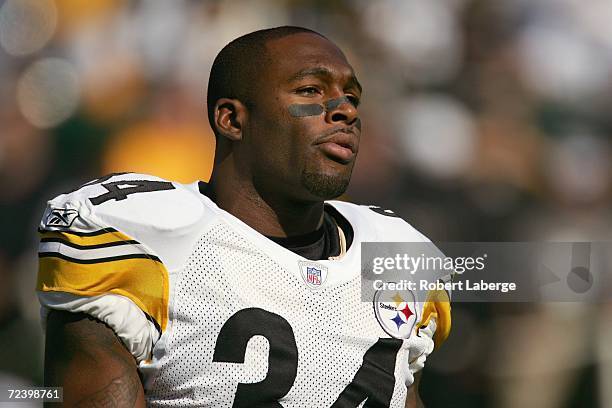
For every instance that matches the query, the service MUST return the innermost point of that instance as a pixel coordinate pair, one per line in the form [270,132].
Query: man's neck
[268,214]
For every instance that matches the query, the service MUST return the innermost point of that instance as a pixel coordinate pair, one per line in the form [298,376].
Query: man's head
[283,105]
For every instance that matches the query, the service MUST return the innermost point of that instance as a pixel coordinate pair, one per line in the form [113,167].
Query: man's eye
[354,100]
[308,91]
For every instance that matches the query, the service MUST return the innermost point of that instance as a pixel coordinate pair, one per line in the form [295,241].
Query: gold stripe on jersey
[84,240]
[142,280]
[438,307]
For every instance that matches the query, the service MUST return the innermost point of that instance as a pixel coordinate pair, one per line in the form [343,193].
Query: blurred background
[483,121]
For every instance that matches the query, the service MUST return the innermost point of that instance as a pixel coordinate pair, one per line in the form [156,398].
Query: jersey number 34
[373,381]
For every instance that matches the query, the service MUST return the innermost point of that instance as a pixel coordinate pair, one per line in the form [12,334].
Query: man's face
[293,150]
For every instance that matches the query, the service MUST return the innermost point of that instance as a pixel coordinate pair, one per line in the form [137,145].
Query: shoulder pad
[157,213]
[378,224]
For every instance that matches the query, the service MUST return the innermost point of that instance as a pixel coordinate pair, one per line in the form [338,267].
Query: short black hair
[238,65]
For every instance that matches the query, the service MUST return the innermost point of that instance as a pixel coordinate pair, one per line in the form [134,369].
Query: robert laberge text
[466,285]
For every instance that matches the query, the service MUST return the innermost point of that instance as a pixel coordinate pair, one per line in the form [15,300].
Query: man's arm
[84,356]
[413,400]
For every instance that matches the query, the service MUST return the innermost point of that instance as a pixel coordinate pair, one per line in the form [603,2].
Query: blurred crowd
[483,121]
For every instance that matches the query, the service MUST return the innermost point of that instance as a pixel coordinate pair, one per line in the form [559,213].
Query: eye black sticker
[300,110]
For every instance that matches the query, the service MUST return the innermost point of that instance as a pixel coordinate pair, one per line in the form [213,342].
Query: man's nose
[341,109]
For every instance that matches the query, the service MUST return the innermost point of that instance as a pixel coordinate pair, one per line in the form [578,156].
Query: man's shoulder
[137,197]
[377,223]
[139,207]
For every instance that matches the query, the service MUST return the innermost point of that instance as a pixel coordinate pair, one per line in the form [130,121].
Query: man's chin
[325,186]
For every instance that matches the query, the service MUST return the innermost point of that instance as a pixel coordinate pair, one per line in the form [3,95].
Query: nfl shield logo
[313,273]
[313,276]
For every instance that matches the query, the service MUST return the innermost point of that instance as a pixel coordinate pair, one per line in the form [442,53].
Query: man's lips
[340,146]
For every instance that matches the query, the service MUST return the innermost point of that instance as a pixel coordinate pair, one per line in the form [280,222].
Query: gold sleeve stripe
[142,280]
[438,307]
[96,246]
[83,240]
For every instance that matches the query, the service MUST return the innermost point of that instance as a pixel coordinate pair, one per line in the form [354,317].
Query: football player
[243,292]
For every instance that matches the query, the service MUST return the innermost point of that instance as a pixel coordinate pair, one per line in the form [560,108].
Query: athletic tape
[303,110]
[300,110]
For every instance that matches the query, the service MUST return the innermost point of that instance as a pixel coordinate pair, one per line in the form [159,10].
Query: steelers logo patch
[396,312]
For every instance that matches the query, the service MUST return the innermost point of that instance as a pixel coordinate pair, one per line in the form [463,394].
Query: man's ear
[230,116]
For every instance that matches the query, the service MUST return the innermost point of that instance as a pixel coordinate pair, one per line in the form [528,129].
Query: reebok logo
[59,217]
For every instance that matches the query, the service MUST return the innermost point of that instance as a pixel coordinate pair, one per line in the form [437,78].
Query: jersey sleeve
[93,257]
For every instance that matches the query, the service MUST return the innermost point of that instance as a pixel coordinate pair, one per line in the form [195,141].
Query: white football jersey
[218,315]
